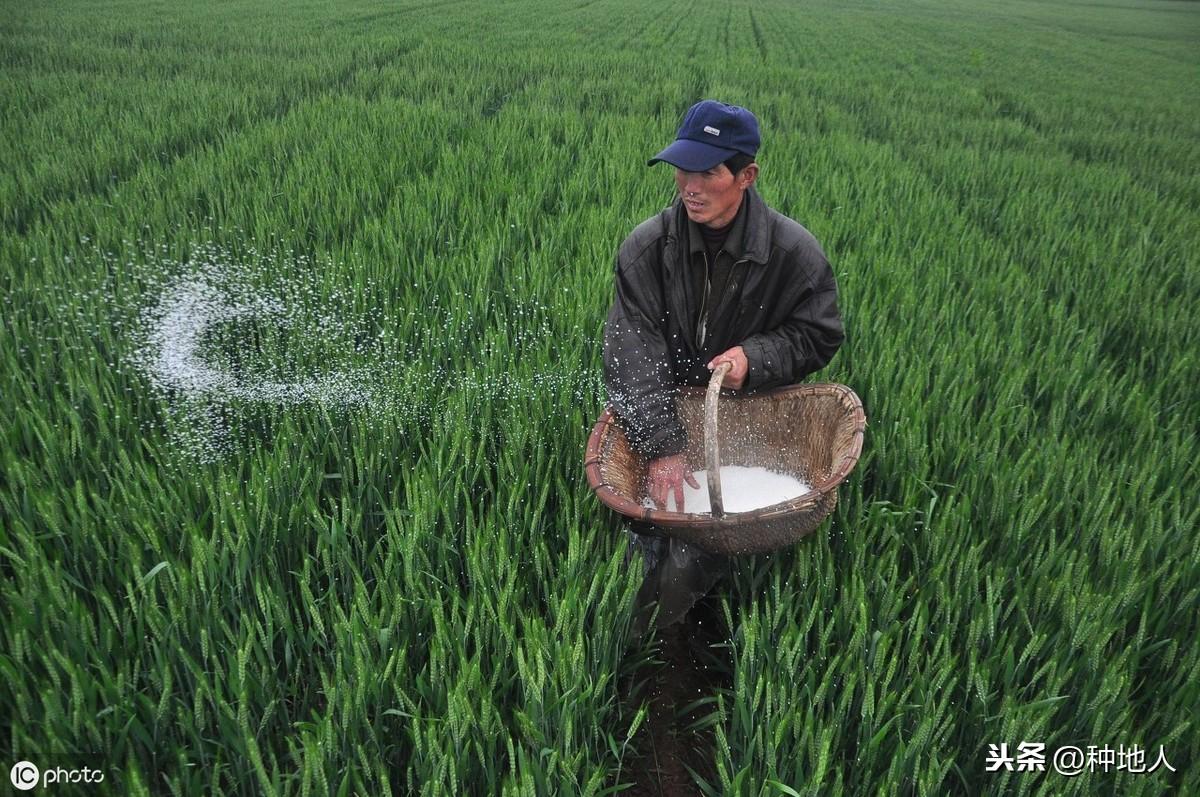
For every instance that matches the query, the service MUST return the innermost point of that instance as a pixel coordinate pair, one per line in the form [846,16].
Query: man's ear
[748,175]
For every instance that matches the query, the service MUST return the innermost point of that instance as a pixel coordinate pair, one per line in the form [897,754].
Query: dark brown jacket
[780,306]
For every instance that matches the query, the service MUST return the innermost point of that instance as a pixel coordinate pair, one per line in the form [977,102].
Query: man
[716,277]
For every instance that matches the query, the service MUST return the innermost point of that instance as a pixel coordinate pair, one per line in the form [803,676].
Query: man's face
[713,197]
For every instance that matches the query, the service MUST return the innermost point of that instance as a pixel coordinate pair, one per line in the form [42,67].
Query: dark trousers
[675,576]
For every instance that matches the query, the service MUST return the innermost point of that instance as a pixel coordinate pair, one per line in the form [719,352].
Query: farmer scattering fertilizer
[717,277]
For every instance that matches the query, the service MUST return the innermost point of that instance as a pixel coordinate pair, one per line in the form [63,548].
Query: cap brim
[692,156]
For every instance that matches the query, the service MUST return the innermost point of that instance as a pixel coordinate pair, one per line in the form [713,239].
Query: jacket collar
[749,238]
[733,239]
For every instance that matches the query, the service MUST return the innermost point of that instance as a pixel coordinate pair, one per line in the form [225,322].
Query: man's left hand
[737,374]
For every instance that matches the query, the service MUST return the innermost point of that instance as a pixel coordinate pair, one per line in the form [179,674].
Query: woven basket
[811,431]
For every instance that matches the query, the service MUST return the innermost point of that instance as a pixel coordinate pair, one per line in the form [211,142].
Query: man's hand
[737,374]
[665,478]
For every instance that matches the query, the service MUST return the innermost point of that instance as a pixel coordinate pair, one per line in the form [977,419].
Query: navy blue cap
[712,132]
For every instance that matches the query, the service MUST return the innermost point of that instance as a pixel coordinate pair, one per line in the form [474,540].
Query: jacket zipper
[701,326]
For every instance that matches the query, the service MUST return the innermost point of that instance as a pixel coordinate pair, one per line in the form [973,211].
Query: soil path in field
[691,669]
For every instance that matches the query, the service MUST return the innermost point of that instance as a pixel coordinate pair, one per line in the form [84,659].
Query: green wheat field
[302,317]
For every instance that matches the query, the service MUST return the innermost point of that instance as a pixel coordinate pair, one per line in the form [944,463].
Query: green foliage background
[435,603]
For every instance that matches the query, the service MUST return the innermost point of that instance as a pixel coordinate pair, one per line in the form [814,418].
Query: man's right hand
[665,477]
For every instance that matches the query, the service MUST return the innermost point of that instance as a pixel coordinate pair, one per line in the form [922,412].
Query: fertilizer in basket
[742,490]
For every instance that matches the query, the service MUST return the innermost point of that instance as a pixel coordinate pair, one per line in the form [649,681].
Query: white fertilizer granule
[742,490]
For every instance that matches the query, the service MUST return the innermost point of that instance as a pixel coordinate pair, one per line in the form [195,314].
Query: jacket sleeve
[637,368]
[810,335]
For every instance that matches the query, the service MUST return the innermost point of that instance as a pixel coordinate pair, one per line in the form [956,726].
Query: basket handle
[712,454]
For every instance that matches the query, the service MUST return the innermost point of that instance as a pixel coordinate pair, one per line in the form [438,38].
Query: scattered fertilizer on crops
[227,339]
[742,489]
[178,327]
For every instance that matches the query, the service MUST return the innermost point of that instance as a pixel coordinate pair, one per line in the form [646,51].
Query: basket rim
[665,518]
